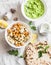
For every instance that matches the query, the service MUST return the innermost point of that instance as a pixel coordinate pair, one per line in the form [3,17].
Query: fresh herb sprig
[45,49]
[13,52]
[33,27]
[30,23]
[21,56]
[40,53]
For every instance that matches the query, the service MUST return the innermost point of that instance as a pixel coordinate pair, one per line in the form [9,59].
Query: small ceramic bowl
[30,19]
[28,28]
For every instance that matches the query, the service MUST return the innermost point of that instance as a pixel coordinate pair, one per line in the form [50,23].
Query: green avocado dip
[34,8]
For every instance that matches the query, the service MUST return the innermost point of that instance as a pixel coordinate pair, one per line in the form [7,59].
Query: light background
[5,5]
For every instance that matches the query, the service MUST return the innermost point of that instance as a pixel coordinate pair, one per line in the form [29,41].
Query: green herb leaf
[30,23]
[21,56]
[40,54]
[45,49]
[33,27]
[13,52]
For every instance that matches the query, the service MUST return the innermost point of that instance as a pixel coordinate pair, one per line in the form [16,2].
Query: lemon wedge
[34,37]
[3,24]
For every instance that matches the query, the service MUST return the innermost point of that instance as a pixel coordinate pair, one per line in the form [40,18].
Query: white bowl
[28,28]
[30,19]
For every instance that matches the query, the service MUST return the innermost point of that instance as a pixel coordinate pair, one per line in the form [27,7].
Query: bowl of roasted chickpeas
[18,34]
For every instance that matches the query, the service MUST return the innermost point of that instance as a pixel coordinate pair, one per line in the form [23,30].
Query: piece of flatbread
[31,55]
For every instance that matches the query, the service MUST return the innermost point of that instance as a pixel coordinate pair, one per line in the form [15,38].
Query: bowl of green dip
[33,10]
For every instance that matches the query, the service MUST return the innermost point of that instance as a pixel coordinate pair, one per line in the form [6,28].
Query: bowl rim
[30,19]
[27,28]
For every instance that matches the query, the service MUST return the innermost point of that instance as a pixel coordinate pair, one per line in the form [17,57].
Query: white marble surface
[6,59]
